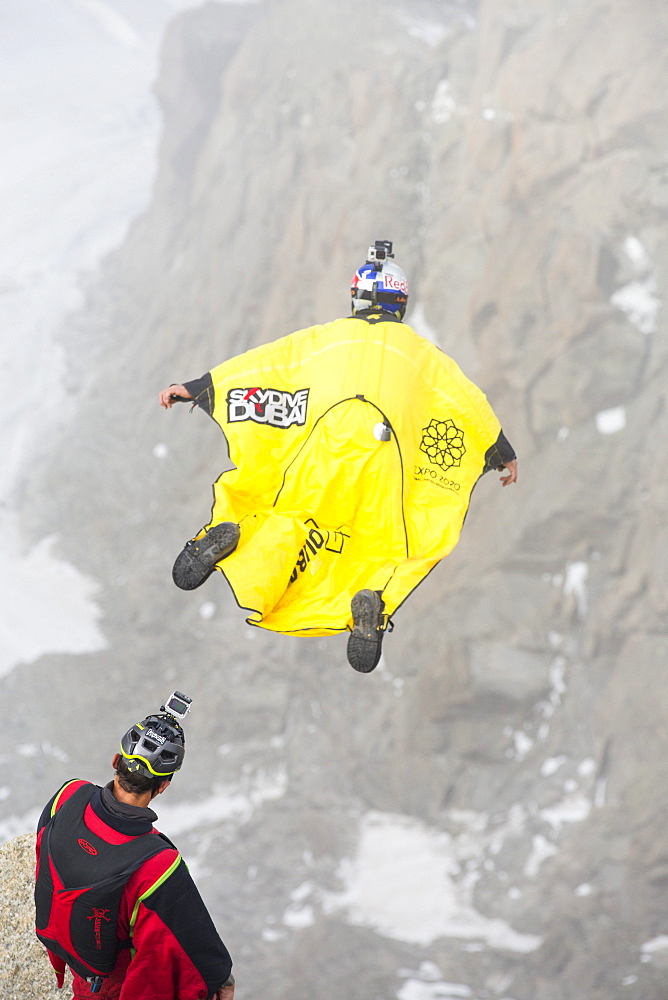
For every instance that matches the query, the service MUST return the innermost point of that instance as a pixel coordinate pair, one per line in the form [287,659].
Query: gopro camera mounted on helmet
[379,253]
[177,705]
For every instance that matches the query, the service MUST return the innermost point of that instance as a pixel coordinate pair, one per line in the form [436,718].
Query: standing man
[114,899]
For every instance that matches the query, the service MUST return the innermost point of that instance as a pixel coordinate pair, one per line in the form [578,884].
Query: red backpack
[80,881]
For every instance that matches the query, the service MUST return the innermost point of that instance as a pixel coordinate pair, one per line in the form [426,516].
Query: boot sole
[366,639]
[197,561]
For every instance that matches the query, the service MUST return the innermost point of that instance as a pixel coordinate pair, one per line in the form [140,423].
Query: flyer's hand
[512,472]
[172,394]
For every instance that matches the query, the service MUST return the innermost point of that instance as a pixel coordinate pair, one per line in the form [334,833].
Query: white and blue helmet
[380,283]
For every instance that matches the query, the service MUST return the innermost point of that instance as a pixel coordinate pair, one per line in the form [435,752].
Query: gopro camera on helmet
[379,283]
[379,253]
[177,705]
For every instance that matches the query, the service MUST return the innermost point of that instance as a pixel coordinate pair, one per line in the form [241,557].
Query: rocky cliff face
[24,971]
[484,815]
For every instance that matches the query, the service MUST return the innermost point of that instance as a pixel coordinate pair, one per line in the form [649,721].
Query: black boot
[197,561]
[366,639]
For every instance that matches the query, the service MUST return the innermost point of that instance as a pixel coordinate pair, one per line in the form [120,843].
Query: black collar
[376,315]
[130,820]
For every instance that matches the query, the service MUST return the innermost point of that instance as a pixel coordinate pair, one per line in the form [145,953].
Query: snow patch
[551,765]
[637,299]
[443,104]
[541,850]
[300,913]
[557,673]
[43,749]
[49,607]
[402,884]
[522,744]
[270,934]
[658,943]
[575,585]
[229,803]
[587,767]
[298,917]
[302,892]
[573,809]
[428,972]
[611,421]
[637,254]
[417,989]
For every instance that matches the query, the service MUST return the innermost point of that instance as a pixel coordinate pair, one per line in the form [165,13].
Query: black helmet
[155,747]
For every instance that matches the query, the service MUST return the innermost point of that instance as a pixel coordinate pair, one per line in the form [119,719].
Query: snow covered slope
[79,134]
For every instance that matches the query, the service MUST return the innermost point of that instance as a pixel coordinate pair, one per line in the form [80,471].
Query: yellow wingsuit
[357,445]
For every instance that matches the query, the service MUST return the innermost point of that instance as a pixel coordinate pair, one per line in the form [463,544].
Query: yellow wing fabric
[326,506]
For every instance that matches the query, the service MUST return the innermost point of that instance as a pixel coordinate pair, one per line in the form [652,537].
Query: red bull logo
[395,283]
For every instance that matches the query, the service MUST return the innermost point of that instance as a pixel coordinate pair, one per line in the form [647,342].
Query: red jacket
[175,953]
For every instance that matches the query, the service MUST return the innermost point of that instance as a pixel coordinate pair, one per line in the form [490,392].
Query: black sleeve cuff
[499,453]
[202,392]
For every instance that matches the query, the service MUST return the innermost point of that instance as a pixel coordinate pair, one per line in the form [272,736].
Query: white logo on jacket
[275,407]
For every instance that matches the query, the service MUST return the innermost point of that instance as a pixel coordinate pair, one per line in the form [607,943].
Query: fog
[481,816]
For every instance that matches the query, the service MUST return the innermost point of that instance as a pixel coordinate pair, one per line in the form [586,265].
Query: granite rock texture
[25,970]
